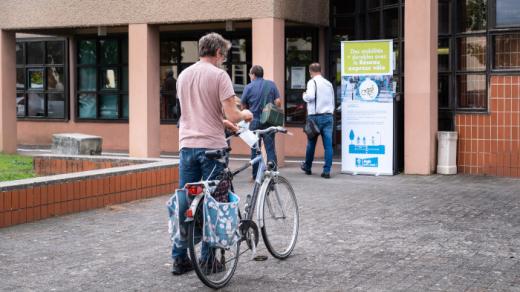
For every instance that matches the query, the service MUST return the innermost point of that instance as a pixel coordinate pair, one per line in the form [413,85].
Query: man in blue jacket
[256,95]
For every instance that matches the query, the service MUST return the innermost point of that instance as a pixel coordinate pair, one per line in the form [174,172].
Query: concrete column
[269,52]
[8,136]
[420,91]
[144,120]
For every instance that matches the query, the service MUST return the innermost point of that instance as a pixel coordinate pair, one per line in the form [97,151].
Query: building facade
[109,68]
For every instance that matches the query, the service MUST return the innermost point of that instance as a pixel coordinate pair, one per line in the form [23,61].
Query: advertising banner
[367,94]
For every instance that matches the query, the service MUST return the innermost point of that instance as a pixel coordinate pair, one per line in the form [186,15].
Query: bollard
[447,152]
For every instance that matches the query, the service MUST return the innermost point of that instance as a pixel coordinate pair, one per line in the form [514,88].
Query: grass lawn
[14,167]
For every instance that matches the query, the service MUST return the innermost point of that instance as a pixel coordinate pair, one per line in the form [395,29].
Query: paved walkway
[358,233]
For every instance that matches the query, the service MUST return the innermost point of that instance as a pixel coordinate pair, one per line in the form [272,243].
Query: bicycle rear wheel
[214,266]
[280,218]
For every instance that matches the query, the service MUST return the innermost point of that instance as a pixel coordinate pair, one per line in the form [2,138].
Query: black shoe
[211,267]
[307,171]
[325,175]
[181,266]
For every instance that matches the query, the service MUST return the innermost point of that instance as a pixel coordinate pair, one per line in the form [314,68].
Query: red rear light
[189,213]
[194,190]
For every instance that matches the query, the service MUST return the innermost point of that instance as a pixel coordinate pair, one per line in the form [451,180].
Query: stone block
[76,144]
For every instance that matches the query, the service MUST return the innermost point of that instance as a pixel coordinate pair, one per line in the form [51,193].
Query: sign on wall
[367,94]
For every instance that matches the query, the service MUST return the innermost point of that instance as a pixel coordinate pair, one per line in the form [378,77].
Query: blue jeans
[270,146]
[193,167]
[325,124]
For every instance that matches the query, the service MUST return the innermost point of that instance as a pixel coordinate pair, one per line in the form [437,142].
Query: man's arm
[309,95]
[233,114]
[278,102]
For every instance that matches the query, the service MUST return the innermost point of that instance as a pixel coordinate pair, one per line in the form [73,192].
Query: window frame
[45,91]
[186,36]
[299,32]
[99,67]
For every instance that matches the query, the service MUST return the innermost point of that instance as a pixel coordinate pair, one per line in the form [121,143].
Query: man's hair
[210,43]
[257,70]
[315,67]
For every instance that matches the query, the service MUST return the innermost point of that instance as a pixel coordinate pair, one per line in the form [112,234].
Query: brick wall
[490,143]
[41,198]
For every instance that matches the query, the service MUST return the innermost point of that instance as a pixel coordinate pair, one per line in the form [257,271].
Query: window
[102,70]
[300,52]
[506,51]
[177,52]
[41,79]
[507,13]
[462,57]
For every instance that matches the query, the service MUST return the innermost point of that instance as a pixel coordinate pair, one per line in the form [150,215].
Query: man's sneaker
[211,267]
[307,171]
[325,175]
[181,266]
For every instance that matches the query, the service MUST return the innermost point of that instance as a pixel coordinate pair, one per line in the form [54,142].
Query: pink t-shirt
[201,88]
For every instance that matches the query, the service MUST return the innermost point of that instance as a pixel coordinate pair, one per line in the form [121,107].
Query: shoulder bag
[271,114]
[311,128]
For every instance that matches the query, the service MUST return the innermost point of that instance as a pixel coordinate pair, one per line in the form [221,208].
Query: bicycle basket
[221,221]
[178,232]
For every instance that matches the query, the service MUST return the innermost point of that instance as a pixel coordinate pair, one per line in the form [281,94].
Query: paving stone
[357,233]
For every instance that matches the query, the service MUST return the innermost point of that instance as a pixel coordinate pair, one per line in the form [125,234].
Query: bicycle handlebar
[271,129]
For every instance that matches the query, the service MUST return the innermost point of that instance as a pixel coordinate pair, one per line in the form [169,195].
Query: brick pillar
[420,91]
[144,119]
[269,52]
[8,137]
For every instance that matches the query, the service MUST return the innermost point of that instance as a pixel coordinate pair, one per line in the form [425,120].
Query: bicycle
[278,205]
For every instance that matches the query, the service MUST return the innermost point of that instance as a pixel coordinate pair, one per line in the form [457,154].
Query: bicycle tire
[276,242]
[201,267]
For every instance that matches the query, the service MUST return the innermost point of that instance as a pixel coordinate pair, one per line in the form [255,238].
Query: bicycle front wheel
[280,218]
[214,266]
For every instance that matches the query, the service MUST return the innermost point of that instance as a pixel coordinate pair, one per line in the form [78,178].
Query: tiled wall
[31,202]
[490,143]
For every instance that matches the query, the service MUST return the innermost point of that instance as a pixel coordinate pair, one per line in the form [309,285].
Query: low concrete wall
[38,198]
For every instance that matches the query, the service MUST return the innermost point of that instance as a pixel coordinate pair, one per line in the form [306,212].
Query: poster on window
[367,103]
[297,77]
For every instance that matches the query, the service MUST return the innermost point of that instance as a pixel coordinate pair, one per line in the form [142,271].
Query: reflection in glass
[295,108]
[391,23]
[87,52]
[108,106]
[164,73]
[238,50]
[444,91]
[299,50]
[124,101]
[443,52]
[169,52]
[56,105]
[189,52]
[507,13]
[109,51]
[36,105]
[35,52]
[472,53]
[472,15]
[87,79]
[124,51]
[20,78]
[55,78]
[35,78]
[55,52]
[507,51]
[87,106]
[239,78]
[471,91]
[390,2]
[373,4]
[168,94]
[19,54]
[109,79]
[20,104]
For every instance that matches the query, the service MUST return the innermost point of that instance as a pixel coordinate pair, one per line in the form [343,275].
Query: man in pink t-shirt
[206,95]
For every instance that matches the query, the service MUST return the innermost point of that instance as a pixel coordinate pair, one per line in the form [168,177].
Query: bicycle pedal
[260,258]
